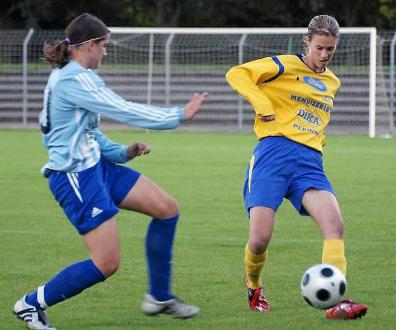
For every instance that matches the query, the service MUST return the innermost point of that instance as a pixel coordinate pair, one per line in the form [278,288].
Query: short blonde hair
[323,25]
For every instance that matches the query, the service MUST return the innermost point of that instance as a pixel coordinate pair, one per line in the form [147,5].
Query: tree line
[55,14]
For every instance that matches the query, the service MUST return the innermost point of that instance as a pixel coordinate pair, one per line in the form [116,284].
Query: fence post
[25,76]
[150,69]
[167,68]
[392,83]
[240,99]
[372,81]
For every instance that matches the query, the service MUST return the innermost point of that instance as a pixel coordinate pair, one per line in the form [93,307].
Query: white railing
[172,63]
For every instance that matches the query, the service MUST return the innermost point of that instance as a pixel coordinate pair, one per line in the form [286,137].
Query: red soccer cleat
[257,300]
[346,310]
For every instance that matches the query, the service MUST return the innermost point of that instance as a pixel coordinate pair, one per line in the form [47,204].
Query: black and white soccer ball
[323,286]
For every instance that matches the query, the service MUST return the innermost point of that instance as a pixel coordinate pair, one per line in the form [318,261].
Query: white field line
[199,238]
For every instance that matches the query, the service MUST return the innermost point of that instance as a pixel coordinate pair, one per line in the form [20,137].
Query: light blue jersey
[74,100]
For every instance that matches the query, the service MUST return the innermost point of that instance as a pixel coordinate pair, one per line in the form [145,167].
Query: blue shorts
[282,168]
[90,197]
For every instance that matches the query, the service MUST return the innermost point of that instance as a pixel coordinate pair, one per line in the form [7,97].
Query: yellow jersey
[284,86]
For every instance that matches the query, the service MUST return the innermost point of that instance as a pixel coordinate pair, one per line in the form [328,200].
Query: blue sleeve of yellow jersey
[87,90]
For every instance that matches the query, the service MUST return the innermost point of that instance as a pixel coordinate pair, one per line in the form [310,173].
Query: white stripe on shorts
[251,164]
[74,183]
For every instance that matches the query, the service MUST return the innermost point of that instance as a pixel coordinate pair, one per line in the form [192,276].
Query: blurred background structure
[171,51]
[55,14]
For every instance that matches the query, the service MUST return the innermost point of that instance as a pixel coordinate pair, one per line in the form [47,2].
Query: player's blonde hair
[323,25]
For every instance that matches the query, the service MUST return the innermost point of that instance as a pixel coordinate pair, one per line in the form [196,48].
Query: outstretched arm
[90,92]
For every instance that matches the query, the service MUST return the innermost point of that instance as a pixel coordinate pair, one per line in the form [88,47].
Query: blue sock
[66,284]
[159,246]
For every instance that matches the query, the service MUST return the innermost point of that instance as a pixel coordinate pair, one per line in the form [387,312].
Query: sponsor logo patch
[315,83]
[309,117]
[306,129]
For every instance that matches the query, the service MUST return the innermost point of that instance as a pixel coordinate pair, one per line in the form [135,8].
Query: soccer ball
[323,286]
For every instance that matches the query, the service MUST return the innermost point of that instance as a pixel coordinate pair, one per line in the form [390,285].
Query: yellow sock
[254,263]
[333,254]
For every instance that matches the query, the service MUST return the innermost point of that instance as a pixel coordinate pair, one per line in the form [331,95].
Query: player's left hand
[194,105]
[137,149]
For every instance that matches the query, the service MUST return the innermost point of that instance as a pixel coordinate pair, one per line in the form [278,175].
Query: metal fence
[166,69]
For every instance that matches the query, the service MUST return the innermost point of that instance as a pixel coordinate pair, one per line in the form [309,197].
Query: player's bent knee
[109,266]
[166,209]
[110,269]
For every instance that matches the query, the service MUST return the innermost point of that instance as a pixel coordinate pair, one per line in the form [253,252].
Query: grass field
[204,171]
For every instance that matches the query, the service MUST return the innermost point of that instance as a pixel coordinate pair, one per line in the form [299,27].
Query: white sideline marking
[199,238]
[30,232]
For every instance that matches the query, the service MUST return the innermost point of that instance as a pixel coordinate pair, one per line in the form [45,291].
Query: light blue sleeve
[110,150]
[87,90]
